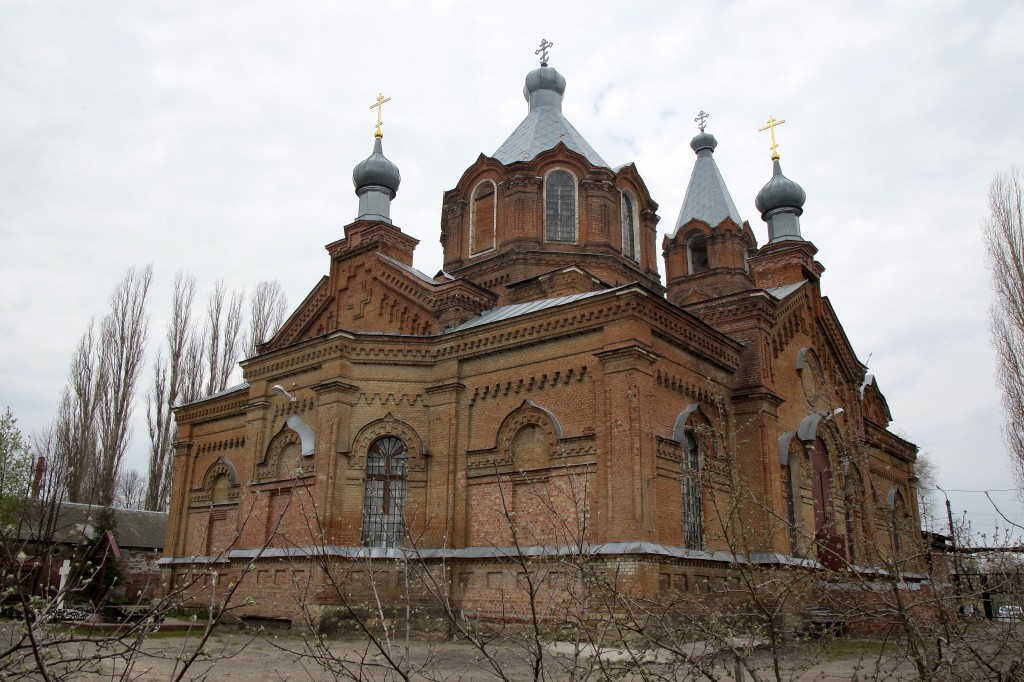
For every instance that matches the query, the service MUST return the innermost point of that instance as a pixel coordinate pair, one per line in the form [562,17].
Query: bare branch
[1003,232]
[122,350]
[267,309]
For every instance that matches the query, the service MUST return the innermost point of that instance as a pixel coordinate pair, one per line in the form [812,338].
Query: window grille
[560,196]
[693,508]
[387,465]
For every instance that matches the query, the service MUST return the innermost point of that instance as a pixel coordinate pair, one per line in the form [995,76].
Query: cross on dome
[543,51]
[772,123]
[379,106]
[701,119]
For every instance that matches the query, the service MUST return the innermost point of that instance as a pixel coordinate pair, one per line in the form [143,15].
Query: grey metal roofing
[488,552]
[408,268]
[541,130]
[707,198]
[782,292]
[230,389]
[506,312]
[545,126]
[75,523]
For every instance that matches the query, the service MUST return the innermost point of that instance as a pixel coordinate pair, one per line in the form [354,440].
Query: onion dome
[703,141]
[376,180]
[780,193]
[377,170]
[781,203]
[544,87]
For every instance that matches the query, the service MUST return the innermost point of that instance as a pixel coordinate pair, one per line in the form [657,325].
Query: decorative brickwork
[545,389]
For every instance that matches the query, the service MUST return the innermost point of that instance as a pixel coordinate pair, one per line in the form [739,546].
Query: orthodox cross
[701,119]
[771,127]
[379,106]
[65,571]
[543,51]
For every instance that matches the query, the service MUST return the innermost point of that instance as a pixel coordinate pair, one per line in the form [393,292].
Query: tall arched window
[483,219]
[387,466]
[693,507]
[560,206]
[900,522]
[821,486]
[795,502]
[630,233]
[697,253]
[854,508]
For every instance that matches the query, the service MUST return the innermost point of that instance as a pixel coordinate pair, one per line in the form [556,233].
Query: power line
[991,489]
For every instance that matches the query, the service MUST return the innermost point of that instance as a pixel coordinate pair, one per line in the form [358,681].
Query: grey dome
[376,170]
[544,78]
[780,192]
[703,141]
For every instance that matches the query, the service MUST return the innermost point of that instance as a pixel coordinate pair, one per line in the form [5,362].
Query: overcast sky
[221,137]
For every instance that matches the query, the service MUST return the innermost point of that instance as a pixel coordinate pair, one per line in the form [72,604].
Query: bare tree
[172,378]
[267,309]
[122,350]
[131,490]
[222,334]
[75,438]
[1003,231]
[927,472]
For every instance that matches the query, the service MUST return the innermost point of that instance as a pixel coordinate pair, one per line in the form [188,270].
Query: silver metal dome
[779,193]
[544,79]
[703,141]
[376,170]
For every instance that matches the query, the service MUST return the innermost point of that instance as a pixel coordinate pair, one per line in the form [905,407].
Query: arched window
[821,486]
[387,465]
[900,522]
[630,233]
[697,253]
[795,501]
[693,507]
[484,213]
[854,508]
[560,206]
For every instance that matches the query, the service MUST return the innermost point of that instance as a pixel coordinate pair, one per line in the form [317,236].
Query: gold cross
[771,126]
[379,106]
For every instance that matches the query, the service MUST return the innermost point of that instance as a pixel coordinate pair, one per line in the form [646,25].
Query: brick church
[548,390]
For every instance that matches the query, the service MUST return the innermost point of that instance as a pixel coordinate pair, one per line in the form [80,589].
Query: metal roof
[707,198]
[76,523]
[408,268]
[782,292]
[231,389]
[542,129]
[507,312]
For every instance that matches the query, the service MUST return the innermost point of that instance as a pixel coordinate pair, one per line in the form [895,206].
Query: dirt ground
[287,655]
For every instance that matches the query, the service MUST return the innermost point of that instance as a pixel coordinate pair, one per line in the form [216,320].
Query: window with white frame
[560,206]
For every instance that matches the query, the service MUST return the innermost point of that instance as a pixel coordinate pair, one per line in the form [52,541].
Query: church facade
[548,391]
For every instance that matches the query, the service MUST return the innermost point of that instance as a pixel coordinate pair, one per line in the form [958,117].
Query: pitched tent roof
[541,130]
